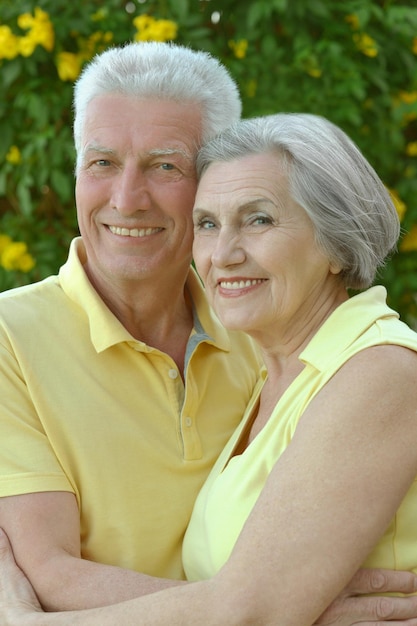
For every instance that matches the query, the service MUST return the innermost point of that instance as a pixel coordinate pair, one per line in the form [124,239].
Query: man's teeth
[239,284]
[133,232]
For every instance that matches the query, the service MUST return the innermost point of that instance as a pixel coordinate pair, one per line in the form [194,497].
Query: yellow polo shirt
[230,493]
[86,408]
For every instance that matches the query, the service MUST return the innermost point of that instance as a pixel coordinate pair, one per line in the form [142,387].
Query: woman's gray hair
[162,71]
[355,221]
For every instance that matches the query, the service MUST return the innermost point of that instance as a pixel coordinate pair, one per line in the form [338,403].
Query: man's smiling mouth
[133,232]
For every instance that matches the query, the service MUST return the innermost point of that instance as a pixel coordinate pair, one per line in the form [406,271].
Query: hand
[18,600]
[351,607]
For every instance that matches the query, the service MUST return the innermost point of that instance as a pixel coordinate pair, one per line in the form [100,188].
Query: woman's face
[255,248]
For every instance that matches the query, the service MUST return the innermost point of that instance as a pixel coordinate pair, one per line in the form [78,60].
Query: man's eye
[102,162]
[167,166]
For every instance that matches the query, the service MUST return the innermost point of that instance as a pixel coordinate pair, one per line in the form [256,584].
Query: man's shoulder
[33,290]
[45,293]
[30,300]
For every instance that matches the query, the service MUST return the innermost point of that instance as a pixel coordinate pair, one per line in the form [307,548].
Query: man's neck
[159,315]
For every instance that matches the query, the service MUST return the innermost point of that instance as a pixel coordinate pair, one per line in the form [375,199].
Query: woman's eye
[205,224]
[260,220]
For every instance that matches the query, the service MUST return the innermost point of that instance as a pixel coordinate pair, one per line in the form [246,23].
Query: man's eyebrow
[94,147]
[171,151]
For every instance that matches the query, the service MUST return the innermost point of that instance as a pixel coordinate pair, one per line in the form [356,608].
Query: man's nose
[130,192]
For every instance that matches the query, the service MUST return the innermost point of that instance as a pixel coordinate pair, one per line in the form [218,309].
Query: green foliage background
[354,62]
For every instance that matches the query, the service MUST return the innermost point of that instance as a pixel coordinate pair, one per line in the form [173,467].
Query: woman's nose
[228,249]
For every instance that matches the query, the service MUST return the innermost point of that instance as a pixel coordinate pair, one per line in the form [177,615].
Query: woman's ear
[334,268]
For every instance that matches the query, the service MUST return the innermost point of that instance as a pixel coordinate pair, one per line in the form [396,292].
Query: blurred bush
[354,62]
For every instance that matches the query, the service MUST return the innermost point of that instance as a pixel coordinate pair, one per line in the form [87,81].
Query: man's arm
[45,533]
[350,607]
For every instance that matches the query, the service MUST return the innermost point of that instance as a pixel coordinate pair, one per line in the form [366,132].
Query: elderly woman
[288,217]
[320,477]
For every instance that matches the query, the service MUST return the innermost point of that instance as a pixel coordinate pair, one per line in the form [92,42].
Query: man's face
[135,188]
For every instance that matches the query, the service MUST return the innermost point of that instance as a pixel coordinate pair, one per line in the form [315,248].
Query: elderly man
[120,387]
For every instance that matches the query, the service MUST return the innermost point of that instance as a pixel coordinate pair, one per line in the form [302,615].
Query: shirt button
[188,421]
[173,374]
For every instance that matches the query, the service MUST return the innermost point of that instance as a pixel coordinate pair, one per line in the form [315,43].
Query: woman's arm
[20,607]
[332,493]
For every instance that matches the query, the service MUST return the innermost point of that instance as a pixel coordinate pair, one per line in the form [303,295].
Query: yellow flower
[411,149]
[95,37]
[46,37]
[151,29]
[12,255]
[366,44]
[26,263]
[27,45]
[99,15]
[9,43]
[25,21]
[41,16]
[68,65]
[142,22]
[165,30]
[96,42]
[40,29]
[315,72]
[414,45]
[250,88]
[353,20]
[408,97]
[409,243]
[5,240]
[13,156]
[239,47]
[43,30]
[409,117]
[398,203]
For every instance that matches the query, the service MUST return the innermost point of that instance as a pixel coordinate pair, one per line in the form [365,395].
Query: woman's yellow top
[235,482]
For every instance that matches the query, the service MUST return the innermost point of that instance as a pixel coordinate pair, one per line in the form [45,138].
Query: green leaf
[62,184]
[10,70]
[24,197]
[6,138]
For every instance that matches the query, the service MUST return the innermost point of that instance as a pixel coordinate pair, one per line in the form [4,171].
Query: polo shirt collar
[106,330]
[206,323]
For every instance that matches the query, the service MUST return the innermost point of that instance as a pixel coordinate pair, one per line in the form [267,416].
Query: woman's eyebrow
[256,203]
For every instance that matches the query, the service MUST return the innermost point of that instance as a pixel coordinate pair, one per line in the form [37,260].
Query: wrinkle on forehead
[178,124]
